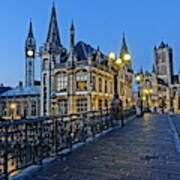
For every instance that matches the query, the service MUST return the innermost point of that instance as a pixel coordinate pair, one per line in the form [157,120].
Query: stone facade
[77,79]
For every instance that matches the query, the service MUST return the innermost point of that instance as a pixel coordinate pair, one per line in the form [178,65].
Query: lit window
[81,81]
[62,82]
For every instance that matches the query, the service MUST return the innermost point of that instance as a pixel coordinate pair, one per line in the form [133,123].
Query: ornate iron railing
[27,142]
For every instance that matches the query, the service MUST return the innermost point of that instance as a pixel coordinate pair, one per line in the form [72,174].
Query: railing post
[40,143]
[55,135]
[84,116]
[6,155]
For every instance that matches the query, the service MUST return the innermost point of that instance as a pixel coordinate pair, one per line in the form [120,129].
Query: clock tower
[30,50]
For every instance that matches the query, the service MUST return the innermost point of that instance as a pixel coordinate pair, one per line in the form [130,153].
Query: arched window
[61,82]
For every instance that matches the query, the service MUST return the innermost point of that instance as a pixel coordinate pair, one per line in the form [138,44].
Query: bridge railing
[27,142]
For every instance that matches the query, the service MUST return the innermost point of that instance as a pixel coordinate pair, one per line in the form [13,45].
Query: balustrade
[27,142]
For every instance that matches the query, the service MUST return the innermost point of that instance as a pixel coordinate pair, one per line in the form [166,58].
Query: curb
[175,134]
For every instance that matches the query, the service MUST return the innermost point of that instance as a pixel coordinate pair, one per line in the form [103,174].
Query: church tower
[124,50]
[30,50]
[50,54]
[164,63]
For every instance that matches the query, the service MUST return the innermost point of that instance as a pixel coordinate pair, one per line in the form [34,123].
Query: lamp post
[139,78]
[148,92]
[117,64]
[13,108]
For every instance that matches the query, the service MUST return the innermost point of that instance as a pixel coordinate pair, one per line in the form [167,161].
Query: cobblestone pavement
[143,149]
[176,121]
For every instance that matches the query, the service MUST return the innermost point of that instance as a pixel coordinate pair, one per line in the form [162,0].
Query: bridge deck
[143,149]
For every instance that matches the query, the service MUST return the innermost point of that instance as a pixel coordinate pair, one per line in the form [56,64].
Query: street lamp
[147,92]
[13,108]
[139,79]
[118,63]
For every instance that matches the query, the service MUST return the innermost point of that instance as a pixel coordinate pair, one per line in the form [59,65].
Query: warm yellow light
[144,98]
[112,55]
[151,91]
[119,61]
[13,106]
[146,91]
[30,53]
[138,78]
[127,57]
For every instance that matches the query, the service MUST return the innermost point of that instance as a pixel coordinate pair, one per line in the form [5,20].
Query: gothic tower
[124,50]
[30,50]
[164,63]
[50,55]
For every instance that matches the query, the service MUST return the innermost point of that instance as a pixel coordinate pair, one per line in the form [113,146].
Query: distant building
[24,99]
[164,84]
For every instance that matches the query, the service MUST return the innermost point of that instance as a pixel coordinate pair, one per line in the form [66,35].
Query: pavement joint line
[175,134]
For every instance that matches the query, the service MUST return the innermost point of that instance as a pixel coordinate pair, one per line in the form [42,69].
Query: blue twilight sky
[98,22]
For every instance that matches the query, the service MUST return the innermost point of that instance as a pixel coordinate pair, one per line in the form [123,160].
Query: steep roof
[83,50]
[53,36]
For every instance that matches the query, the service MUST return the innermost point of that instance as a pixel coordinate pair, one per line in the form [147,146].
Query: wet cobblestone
[142,150]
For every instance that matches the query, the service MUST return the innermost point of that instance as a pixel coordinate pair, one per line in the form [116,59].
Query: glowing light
[112,55]
[13,106]
[144,98]
[30,53]
[127,57]
[151,91]
[138,78]
[146,91]
[119,61]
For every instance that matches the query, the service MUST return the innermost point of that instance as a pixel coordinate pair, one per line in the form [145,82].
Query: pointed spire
[30,41]
[53,32]
[124,47]
[72,28]
[72,36]
[30,33]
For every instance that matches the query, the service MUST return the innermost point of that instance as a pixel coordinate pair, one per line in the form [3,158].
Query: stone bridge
[146,148]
